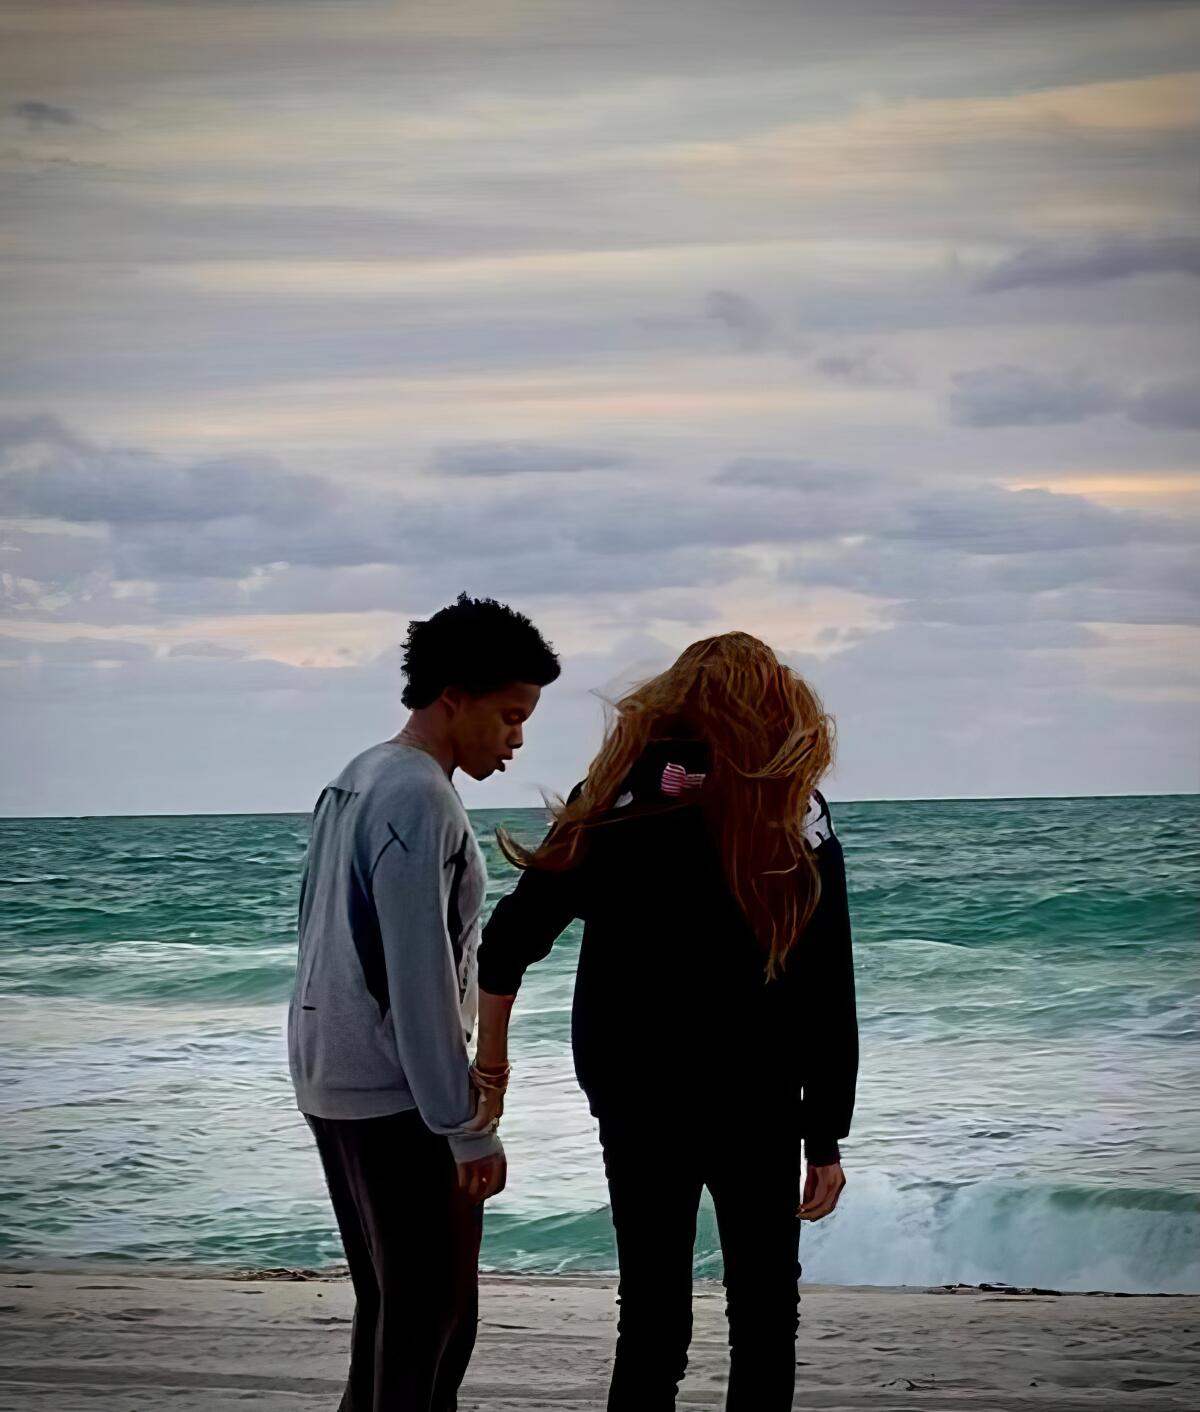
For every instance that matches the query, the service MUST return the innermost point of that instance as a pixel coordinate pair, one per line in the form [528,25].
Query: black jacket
[671,997]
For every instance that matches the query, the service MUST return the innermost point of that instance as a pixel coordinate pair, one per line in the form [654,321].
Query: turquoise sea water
[1029,1108]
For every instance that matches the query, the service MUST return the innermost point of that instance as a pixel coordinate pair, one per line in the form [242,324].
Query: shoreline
[90,1268]
[132,1340]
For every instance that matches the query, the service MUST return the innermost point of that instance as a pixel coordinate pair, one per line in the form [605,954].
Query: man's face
[487,730]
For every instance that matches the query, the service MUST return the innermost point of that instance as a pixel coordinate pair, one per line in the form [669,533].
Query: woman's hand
[490,1085]
[489,1105]
[822,1188]
[489,1073]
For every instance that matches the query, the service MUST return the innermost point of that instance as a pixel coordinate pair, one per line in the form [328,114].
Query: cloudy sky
[868,326]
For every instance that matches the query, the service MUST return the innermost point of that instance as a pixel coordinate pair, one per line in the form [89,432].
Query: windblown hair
[769,742]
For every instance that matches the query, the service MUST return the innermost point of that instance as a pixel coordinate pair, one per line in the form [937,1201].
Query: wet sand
[125,1342]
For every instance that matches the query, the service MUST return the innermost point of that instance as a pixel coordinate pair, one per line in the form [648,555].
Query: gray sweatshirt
[386,993]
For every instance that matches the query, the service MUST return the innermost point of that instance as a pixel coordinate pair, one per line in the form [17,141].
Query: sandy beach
[123,1342]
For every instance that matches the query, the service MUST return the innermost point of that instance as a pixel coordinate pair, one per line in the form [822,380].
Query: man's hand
[482,1178]
[822,1187]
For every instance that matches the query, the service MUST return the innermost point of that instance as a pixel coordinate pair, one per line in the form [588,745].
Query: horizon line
[493,809]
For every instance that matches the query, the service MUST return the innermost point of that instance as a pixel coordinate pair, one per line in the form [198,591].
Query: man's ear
[452,700]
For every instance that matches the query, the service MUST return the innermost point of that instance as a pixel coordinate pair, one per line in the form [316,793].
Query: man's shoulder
[403,792]
[390,775]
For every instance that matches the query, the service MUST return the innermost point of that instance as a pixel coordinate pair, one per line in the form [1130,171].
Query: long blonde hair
[769,742]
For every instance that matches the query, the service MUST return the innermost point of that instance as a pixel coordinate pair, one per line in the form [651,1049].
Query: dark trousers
[655,1176]
[412,1244]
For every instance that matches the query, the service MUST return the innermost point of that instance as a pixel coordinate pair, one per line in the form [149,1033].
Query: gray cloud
[59,676]
[1007,395]
[38,115]
[988,520]
[1083,603]
[1173,405]
[784,473]
[953,579]
[75,649]
[39,426]
[214,650]
[36,555]
[867,368]
[510,458]
[374,555]
[225,519]
[1103,258]
[292,547]
[649,523]
[751,326]
[547,569]
[71,480]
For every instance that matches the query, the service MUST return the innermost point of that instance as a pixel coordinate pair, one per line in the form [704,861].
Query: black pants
[412,1244]
[655,1175]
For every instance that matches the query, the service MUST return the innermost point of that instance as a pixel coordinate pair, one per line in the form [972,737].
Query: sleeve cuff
[470,1147]
[496,981]
[821,1151]
[497,973]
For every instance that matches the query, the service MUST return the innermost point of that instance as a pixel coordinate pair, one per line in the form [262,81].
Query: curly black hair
[475,644]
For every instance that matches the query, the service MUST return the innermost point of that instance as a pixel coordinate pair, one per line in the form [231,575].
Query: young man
[385,1003]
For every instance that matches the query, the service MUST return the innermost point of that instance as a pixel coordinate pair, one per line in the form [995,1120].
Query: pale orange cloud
[906,145]
[1152,489]
[299,639]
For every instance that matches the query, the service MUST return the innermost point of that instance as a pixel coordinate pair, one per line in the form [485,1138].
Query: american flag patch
[675,779]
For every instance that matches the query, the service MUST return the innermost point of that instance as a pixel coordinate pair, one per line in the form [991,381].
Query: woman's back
[671,975]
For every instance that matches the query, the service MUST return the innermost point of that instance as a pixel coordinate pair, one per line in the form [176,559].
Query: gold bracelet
[495,1081]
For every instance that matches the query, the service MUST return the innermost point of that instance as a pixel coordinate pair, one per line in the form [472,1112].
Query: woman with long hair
[714,1019]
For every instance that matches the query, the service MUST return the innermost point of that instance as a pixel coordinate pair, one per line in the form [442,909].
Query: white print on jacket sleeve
[818,826]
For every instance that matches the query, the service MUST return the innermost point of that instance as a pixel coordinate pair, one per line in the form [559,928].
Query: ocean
[1028,1112]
